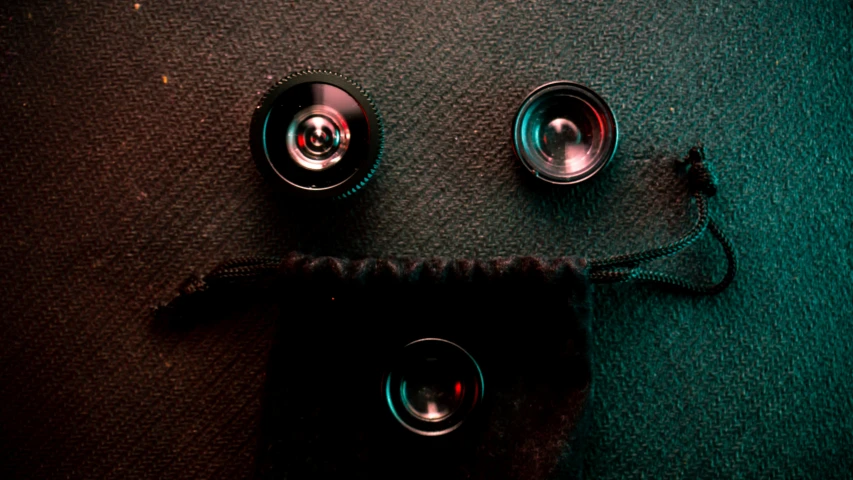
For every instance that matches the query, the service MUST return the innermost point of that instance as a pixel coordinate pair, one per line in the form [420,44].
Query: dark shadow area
[205,310]
[324,412]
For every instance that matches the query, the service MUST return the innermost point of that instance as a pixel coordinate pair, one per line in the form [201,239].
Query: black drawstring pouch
[332,407]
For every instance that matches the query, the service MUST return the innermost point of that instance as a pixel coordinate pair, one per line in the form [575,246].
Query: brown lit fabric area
[125,167]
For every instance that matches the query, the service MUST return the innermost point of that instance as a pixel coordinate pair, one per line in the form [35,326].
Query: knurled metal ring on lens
[564,133]
[347,141]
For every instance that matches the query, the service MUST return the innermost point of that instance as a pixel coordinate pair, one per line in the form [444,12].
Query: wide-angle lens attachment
[564,133]
[317,135]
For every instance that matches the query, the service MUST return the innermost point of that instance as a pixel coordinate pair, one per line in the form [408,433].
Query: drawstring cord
[255,271]
[628,267]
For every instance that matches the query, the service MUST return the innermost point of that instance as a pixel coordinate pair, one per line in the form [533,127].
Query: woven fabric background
[125,166]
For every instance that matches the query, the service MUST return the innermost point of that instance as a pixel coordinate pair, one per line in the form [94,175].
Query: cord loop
[628,267]
[700,174]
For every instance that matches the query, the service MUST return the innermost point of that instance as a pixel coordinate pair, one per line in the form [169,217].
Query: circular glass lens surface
[565,133]
[432,390]
[433,386]
[317,137]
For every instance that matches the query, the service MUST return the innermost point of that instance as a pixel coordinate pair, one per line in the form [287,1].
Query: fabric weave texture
[125,166]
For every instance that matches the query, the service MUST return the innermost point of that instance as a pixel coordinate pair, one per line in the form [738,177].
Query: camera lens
[317,135]
[431,391]
[433,386]
[564,133]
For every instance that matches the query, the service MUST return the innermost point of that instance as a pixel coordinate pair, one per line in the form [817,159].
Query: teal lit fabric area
[125,167]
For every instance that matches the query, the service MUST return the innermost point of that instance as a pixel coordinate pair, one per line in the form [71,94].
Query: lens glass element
[431,390]
[432,386]
[317,137]
[565,133]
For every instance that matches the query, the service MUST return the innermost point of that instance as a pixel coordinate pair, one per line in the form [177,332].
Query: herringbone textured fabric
[125,166]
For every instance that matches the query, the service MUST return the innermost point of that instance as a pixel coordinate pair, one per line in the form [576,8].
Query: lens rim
[594,100]
[343,183]
[392,379]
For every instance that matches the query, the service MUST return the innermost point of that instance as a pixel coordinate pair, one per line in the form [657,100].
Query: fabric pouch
[435,368]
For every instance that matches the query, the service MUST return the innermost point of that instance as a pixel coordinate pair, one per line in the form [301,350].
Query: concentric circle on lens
[317,137]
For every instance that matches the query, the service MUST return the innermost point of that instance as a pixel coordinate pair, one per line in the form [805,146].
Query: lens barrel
[564,133]
[316,134]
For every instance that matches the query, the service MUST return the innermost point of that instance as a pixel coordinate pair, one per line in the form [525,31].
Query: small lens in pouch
[432,386]
[445,382]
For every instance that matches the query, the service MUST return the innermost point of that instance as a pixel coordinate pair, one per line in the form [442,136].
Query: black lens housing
[348,104]
[592,133]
